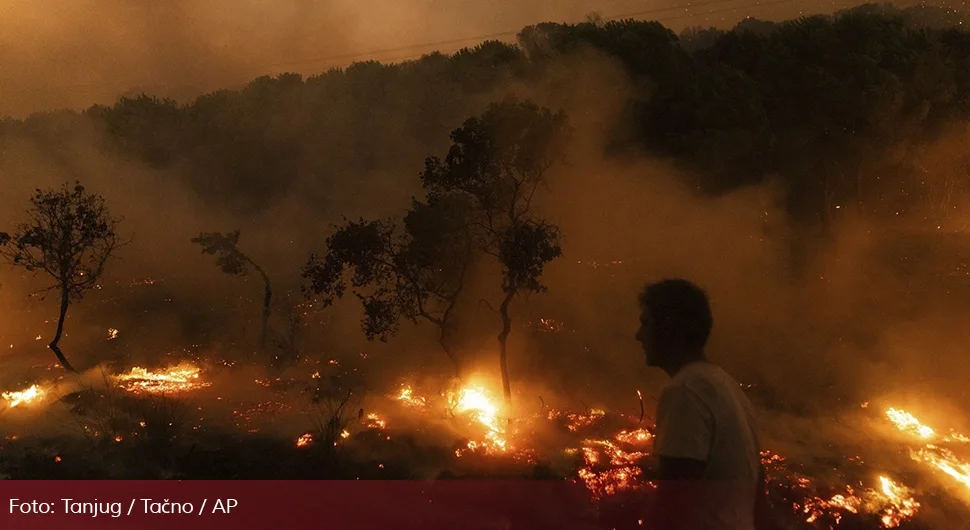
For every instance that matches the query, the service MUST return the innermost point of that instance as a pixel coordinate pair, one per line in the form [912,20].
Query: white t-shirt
[704,415]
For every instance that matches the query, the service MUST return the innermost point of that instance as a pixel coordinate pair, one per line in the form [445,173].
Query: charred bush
[334,404]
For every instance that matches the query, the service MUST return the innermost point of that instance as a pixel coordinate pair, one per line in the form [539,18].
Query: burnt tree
[234,262]
[69,236]
[415,273]
[497,162]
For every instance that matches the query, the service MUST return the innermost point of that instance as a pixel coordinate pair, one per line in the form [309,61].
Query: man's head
[675,322]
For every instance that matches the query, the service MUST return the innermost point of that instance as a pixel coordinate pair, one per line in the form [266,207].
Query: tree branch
[487,304]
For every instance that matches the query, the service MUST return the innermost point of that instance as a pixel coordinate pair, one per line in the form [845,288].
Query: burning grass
[890,502]
[575,421]
[884,502]
[175,379]
[612,456]
[613,466]
[606,452]
[475,403]
[33,394]
[931,453]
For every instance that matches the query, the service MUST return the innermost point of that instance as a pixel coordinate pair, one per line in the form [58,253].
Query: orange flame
[941,458]
[181,378]
[474,401]
[23,397]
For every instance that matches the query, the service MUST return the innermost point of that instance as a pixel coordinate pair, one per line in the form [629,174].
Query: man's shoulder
[706,371]
[681,393]
[700,371]
[707,381]
[679,384]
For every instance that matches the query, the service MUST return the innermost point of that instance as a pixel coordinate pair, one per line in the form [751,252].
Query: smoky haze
[78,53]
[804,333]
[856,318]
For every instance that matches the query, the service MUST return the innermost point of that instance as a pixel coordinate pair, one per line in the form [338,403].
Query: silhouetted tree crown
[498,161]
[69,236]
[418,272]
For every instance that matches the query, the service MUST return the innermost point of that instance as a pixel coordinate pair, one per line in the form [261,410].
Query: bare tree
[234,262]
[69,236]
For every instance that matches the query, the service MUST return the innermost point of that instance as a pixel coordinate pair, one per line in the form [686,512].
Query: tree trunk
[65,301]
[266,312]
[445,327]
[267,301]
[450,352]
[860,178]
[502,340]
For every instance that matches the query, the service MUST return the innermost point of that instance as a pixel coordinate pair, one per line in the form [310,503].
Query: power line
[489,36]
[631,15]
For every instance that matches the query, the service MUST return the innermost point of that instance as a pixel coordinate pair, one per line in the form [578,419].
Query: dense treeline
[839,107]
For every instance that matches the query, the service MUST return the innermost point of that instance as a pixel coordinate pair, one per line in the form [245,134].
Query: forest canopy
[839,108]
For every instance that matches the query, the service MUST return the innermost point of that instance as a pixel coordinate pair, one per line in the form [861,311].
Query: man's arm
[763,519]
[673,498]
[681,468]
[684,428]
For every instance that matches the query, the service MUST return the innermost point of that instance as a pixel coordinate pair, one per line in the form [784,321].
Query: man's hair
[680,311]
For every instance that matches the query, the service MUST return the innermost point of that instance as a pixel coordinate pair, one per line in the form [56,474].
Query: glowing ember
[892,503]
[548,325]
[610,481]
[180,378]
[638,436]
[597,265]
[578,421]
[375,422]
[304,440]
[816,507]
[609,467]
[618,457]
[112,333]
[408,397]
[24,397]
[901,505]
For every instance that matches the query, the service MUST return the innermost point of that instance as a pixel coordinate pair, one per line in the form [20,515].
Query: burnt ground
[110,438]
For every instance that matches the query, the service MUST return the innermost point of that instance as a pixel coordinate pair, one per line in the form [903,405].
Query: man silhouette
[710,472]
